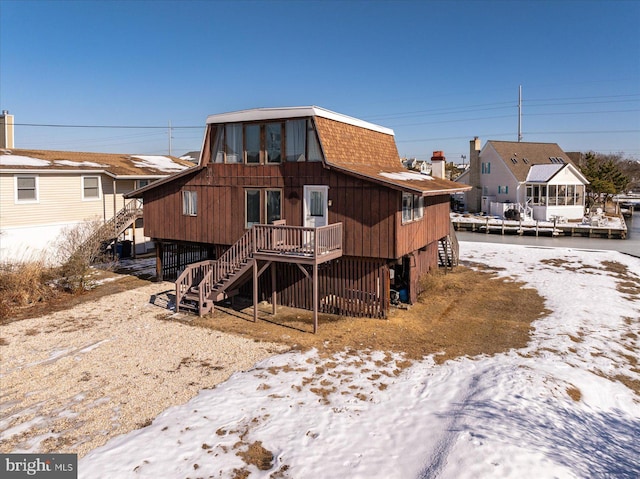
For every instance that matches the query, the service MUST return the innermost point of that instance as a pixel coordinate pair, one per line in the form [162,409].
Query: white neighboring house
[537,180]
[423,166]
[43,192]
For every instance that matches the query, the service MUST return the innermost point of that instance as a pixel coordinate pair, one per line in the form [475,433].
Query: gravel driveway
[71,380]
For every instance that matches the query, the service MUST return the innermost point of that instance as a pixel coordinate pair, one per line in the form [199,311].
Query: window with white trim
[412,207]
[26,188]
[418,207]
[407,207]
[190,203]
[90,187]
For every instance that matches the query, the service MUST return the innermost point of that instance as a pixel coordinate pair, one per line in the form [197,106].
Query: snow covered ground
[558,408]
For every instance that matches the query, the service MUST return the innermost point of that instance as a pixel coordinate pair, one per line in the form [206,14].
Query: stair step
[189,306]
[192,296]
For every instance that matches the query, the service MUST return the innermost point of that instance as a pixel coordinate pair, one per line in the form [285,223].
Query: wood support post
[315,297]
[255,291]
[273,287]
[159,255]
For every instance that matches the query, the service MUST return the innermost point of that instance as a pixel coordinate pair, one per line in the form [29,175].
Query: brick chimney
[438,162]
[6,130]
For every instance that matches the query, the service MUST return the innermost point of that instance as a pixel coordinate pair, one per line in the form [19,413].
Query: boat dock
[611,227]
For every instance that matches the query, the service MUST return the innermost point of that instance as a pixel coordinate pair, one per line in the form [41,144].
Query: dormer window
[265,143]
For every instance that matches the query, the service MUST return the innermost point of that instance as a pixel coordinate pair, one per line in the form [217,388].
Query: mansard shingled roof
[373,155]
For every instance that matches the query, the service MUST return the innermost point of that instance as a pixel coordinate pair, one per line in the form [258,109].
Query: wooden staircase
[449,249]
[202,284]
[111,229]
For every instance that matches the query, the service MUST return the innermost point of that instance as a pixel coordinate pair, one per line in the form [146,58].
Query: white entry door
[315,209]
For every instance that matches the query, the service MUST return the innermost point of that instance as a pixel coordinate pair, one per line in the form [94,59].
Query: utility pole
[169,137]
[520,113]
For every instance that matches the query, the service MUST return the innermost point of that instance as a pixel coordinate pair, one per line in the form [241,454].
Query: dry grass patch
[257,455]
[461,313]
[23,285]
[61,300]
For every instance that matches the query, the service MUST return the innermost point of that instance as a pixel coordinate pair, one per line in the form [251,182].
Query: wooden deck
[296,244]
[203,283]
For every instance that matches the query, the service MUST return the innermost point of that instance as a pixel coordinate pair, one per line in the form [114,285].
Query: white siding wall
[26,229]
[565,177]
[59,201]
[499,176]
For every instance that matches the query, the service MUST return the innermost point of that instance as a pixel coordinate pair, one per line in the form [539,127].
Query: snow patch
[406,175]
[18,160]
[162,163]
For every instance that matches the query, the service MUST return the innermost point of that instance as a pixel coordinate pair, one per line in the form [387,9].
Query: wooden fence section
[175,257]
[347,286]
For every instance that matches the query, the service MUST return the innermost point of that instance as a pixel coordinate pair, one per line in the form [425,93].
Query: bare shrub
[24,283]
[77,248]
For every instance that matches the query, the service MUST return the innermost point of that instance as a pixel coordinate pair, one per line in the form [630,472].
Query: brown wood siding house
[294,164]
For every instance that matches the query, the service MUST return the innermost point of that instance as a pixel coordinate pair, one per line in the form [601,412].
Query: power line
[104,126]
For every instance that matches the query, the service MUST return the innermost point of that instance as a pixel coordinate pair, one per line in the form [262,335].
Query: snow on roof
[80,163]
[17,160]
[542,173]
[406,175]
[161,163]
[257,114]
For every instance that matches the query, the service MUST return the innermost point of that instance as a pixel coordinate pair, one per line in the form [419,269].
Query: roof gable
[519,157]
[111,163]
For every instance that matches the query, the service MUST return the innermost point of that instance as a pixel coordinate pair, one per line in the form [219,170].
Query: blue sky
[438,73]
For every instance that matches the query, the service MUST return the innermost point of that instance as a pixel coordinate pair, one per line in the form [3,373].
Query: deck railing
[273,239]
[192,275]
[298,240]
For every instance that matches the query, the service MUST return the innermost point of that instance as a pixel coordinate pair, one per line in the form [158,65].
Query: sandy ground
[72,379]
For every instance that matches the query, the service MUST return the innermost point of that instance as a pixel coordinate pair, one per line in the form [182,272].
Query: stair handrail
[188,277]
[231,260]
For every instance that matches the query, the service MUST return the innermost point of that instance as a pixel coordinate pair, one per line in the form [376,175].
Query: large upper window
[190,203]
[295,132]
[268,142]
[26,189]
[273,142]
[252,143]
[90,187]
[234,148]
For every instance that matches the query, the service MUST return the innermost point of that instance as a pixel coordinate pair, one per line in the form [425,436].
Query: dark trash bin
[124,249]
